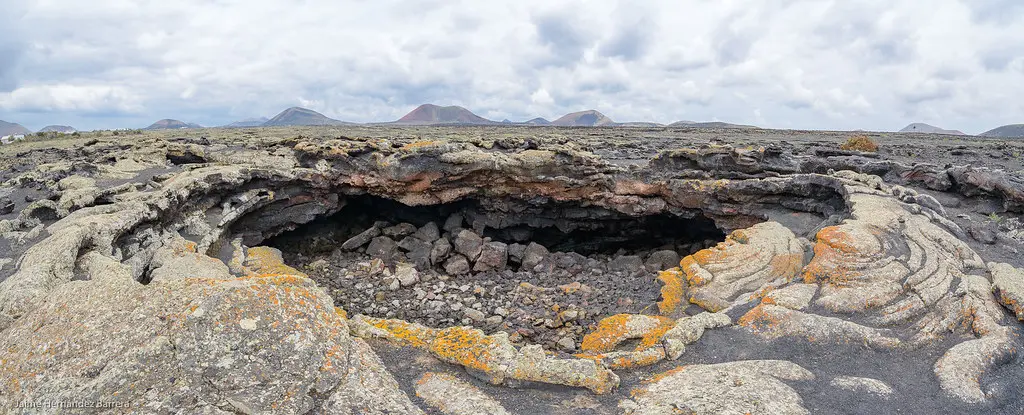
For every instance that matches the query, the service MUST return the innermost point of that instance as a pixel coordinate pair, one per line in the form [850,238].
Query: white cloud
[63,97]
[872,64]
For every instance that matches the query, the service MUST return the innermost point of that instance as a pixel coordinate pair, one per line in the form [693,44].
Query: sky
[841,64]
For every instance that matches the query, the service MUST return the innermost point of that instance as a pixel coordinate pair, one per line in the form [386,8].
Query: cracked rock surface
[385,270]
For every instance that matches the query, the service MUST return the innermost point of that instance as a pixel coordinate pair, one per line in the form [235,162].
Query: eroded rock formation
[281,276]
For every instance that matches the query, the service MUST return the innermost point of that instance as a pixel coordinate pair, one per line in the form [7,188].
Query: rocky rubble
[281,276]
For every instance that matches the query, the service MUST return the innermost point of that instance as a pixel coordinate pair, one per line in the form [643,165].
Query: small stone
[406,274]
[468,244]
[494,320]
[400,230]
[379,296]
[567,343]
[475,315]
[569,315]
[501,311]
[456,265]
[456,306]
[247,324]
[392,283]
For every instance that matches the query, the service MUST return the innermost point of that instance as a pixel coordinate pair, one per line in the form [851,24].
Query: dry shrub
[860,143]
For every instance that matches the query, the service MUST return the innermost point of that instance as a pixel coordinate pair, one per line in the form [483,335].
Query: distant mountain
[428,114]
[710,124]
[58,129]
[301,116]
[538,121]
[1006,131]
[639,124]
[920,127]
[168,124]
[248,122]
[7,128]
[589,118]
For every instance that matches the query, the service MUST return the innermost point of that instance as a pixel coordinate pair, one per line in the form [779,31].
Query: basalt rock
[172,273]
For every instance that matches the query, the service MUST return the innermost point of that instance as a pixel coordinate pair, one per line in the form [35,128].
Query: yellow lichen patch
[613,330]
[412,334]
[465,346]
[419,144]
[341,312]
[265,260]
[671,291]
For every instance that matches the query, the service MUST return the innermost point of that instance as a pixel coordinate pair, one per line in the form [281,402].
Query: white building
[8,139]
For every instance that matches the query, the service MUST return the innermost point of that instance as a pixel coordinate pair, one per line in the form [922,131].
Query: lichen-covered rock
[492,357]
[455,397]
[749,260]
[659,338]
[1008,286]
[772,321]
[245,345]
[743,387]
[178,259]
[794,296]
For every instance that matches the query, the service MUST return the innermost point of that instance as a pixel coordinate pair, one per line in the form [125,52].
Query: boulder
[493,255]
[533,255]
[206,345]
[382,247]
[439,251]
[468,244]
[361,239]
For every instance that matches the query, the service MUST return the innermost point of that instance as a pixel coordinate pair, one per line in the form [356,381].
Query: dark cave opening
[560,227]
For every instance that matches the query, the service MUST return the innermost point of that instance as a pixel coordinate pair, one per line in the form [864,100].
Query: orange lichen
[465,346]
[611,331]
[409,333]
[758,319]
[661,376]
[671,291]
[786,266]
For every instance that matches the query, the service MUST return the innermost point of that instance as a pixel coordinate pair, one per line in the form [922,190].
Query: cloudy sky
[814,64]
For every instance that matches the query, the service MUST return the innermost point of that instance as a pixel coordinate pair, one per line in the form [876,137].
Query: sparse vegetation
[860,143]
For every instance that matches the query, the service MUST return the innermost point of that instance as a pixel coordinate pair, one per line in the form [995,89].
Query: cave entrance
[544,272]
[560,227]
